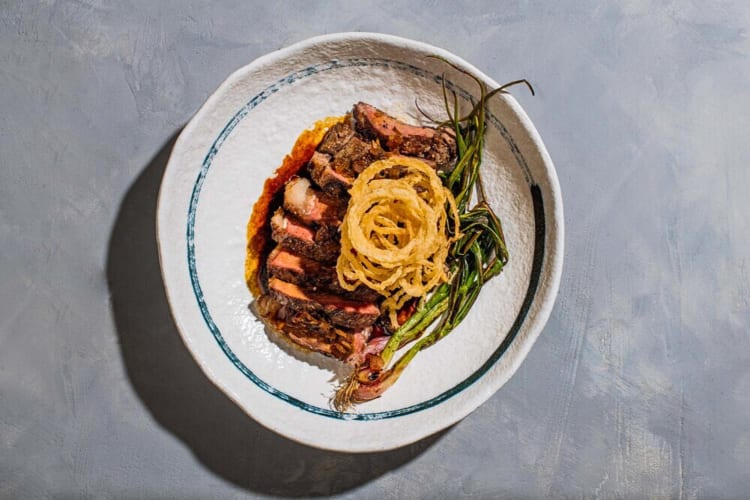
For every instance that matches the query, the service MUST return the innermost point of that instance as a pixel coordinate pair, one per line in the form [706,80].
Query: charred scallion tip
[477,256]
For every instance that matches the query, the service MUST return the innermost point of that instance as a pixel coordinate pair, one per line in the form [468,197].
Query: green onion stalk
[479,254]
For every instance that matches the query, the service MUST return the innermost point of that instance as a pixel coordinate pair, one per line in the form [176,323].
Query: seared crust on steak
[312,275]
[322,172]
[311,205]
[336,137]
[341,311]
[313,331]
[355,156]
[437,146]
[341,156]
[320,244]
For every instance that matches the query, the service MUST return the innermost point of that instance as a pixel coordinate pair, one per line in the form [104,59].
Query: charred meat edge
[320,244]
[341,311]
[434,145]
[312,275]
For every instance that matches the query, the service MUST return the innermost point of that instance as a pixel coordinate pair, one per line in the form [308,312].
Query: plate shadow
[182,399]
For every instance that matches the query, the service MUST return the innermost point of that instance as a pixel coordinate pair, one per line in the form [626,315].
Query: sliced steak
[336,137]
[321,244]
[288,266]
[321,336]
[355,156]
[311,205]
[314,331]
[312,275]
[437,146]
[321,171]
[302,298]
[335,165]
[341,311]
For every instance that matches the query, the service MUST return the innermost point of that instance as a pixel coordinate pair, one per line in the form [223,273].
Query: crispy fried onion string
[394,238]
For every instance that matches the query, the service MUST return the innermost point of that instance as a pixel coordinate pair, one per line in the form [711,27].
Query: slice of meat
[313,331]
[297,269]
[437,146]
[312,275]
[320,244]
[336,137]
[321,336]
[321,171]
[335,165]
[311,205]
[355,156]
[341,311]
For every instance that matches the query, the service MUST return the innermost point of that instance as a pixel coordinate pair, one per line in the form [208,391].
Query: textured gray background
[640,383]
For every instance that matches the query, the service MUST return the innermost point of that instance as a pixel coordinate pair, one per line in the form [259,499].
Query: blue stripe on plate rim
[539,221]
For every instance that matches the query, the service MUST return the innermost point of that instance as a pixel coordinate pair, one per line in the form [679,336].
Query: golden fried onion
[394,236]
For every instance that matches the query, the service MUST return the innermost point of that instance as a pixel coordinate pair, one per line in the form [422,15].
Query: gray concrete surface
[640,384]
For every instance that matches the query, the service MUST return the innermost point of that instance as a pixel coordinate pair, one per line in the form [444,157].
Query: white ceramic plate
[215,175]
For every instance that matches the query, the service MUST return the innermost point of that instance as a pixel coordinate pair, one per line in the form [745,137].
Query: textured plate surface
[215,175]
